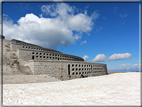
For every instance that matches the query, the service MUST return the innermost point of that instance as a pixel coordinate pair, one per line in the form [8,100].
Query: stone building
[54,63]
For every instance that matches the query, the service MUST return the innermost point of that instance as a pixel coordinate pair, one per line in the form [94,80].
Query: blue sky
[99,32]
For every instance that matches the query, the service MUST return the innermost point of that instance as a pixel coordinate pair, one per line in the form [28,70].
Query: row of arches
[78,69]
[48,58]
[81,69]
[37,48]
[32,48]
[78,73]
[51,56]
[80,65]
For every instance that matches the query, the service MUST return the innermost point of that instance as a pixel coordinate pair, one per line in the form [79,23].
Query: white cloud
[80,22]
[95,15]
[119,56]
[124,65]
[123,16]
[100,57]
[85,57]
[135,65]
[127,66]
[50,32]
[83,42]
[76,37]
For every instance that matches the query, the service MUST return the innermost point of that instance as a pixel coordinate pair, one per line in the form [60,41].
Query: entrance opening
[69,69]
[32,57]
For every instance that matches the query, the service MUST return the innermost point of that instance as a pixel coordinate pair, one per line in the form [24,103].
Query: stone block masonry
[47,61]
[71,69]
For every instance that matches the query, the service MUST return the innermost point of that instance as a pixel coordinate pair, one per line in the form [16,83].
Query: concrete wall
[45,61]
[71,69]
[6,42]
[20,45]
[15,47]
[29,46]
[36,55]
[31,65]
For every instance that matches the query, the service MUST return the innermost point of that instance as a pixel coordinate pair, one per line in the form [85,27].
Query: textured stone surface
[77,68]
[12,65]
[111,90]
[24,58]
[40,52]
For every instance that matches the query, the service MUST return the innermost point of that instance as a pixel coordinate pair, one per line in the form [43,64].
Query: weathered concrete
[43,61]
[71,69]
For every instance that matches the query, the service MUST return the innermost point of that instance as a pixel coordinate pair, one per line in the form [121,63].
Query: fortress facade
[54,63]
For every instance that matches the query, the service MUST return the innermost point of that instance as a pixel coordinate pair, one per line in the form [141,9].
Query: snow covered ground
[113,89]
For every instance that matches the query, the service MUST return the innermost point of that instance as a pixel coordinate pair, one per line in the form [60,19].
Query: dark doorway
[69,69]
[32,57]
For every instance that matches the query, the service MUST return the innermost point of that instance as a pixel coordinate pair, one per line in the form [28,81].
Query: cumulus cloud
[83,42]
[57,30]
[119,56]
[85,57]
[102,57]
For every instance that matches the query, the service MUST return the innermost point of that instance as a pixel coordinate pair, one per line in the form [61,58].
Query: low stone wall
[71,69]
